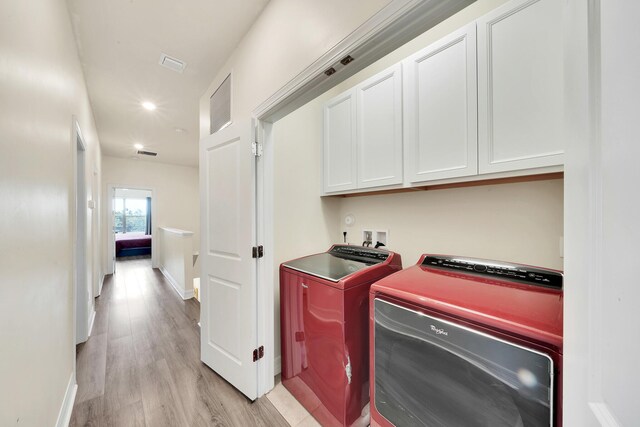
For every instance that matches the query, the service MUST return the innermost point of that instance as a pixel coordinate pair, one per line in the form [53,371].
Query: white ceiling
[120,43]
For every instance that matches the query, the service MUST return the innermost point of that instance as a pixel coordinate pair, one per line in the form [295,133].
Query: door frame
[79,252]
[111,244]
[391,27]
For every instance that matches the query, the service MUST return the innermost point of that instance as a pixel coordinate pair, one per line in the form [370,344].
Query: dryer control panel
[497,269]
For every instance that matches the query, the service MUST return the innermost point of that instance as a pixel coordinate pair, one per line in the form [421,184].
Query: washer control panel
[359,252]
[497,269]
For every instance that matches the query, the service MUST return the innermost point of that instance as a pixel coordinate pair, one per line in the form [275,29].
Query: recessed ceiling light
[149,105]
[138,146]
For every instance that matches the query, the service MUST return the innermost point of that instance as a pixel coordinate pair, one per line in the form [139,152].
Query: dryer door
[432,372]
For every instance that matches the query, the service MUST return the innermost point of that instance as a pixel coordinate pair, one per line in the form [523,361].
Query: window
[220,106]
[129,215]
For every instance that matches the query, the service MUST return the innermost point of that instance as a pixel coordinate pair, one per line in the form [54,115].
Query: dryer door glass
[432,372]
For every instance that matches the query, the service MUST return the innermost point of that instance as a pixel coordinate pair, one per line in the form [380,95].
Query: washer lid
[339,262]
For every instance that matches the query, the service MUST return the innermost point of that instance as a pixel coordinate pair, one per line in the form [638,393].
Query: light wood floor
[142,366]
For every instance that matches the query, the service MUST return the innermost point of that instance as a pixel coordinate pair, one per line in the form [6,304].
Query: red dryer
[466,342]
[324,317]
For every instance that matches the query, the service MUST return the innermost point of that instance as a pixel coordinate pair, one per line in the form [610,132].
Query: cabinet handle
[305,286]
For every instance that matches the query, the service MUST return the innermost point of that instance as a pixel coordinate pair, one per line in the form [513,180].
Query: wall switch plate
[91,204]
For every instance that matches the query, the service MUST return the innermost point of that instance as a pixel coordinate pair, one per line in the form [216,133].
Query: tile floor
[290,409]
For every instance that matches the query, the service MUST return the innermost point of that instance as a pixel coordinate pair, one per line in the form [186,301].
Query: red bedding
[126,241]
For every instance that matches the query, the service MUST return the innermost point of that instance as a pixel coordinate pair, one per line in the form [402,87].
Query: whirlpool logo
[439,331]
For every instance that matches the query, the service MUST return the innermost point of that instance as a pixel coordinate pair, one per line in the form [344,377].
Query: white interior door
[228,279]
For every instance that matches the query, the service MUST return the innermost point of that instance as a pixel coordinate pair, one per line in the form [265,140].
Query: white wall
[520,222]
[175,192]
[287,37]
[176,259]
[42,87]
[303,222]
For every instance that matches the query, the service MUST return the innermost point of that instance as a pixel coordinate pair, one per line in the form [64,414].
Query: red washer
[324,315]
[460,341]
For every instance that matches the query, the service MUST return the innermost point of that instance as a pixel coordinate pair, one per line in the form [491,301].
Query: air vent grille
[172,63]
[147,153]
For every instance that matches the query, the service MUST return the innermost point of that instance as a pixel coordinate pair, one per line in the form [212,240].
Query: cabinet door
[379,118]
[340,163]
[440,115]
[520,86]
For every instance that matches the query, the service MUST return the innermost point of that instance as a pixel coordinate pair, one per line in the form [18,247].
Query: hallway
[141,365]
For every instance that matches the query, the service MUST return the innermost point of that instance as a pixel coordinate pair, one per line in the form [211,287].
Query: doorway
[131,212]
[83,293]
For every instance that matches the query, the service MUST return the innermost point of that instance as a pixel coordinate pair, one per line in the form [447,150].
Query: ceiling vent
[147,153]
[172,63]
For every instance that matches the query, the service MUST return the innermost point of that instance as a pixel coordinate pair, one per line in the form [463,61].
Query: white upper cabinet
[520,86]
[440,114]
[379,132]
[340,153]
[485,101]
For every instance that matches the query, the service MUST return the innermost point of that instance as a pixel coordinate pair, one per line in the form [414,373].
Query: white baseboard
[277,365]
[64,416]
[91,320]
[184,294]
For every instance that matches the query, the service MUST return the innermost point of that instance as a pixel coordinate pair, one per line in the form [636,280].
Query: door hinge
[258,353]
[257,251]
[256,149]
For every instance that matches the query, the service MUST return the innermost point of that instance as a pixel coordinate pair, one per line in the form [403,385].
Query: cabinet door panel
[520,86]
[440,112]
[379,135]
[340,161]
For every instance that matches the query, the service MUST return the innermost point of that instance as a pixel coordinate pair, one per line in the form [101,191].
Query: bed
[132,244]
